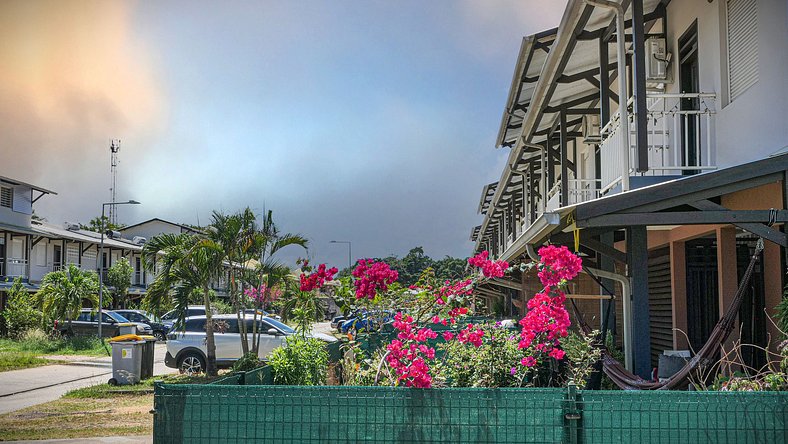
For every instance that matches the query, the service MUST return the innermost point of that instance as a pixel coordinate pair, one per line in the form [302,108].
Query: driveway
[27,387]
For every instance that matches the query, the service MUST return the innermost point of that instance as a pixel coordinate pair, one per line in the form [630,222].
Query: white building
[673,205]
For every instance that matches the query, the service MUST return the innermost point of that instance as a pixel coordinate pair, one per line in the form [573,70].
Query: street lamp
[101,258]
[349,251]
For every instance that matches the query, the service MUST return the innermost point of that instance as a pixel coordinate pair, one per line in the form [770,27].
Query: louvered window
[6,197]
[742,30]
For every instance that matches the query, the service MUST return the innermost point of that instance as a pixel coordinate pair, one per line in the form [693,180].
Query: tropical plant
[245,244]
[185,263]
[582,354]
[21,312]
[119,279]
[63,292]
[303,361]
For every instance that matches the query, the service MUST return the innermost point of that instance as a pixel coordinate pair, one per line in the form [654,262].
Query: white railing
[679,141]
[554,196]
[583,190]
[14,267]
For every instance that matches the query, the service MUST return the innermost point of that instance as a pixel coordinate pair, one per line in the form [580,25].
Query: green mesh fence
[249,413]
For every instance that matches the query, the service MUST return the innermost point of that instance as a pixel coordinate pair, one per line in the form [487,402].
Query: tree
[96,225]
[415,262]
[242,240]
[450,268]
[119,278]
[185,263]
[21,312]
[63,292]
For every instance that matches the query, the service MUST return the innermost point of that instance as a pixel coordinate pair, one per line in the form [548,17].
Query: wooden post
[637,253]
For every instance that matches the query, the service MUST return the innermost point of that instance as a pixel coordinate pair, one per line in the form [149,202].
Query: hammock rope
[629,381]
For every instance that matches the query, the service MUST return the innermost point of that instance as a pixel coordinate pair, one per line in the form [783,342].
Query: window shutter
[6,197]
[742,46]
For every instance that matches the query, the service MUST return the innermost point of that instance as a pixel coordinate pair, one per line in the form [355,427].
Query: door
[752,317]
[2,257]
[57,257]
[268,342]
[702,290]
[227,339]
[689,82]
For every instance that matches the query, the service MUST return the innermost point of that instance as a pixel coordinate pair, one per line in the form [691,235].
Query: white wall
[755,125]
[150,229]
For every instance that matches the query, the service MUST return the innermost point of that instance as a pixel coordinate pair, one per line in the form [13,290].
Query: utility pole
[114,148]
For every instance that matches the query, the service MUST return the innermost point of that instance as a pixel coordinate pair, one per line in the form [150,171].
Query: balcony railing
[13,267]
[679,140]
[580,190]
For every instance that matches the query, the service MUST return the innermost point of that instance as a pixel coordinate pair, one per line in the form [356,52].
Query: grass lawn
[26,352]
[100,410]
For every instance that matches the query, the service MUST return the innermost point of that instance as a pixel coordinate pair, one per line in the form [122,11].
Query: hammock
[629,381]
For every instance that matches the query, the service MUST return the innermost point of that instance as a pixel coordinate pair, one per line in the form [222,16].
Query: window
[84,316]
[72,254]
[40,254]
[6,197]
[742,36]
[195,325]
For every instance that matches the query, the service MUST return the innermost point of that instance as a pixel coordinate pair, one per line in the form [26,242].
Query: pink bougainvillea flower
[490,269]
[317,279]
[372,277]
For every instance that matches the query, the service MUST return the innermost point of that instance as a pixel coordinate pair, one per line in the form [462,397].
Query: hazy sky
[368,121]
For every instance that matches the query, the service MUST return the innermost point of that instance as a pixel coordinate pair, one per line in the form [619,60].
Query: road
[27,387]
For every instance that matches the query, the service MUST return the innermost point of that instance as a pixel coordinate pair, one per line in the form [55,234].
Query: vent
[70,226]
[6,197]
[742,17]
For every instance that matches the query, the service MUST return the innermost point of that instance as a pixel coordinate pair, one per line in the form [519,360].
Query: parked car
[336,320]
[159,329]
[171,316]
[86,324]
[250,311]
[366,321]
[186,350]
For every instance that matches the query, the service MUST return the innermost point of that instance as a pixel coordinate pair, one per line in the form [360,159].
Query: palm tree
[185,263]
[63,292]
[242,240]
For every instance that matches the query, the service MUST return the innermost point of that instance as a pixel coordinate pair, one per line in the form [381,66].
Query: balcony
[13,268]
[580,190]
[680,132]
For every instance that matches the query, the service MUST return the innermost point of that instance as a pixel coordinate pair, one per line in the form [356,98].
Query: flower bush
[316,279]
[408,355]
[304,361]
[547,320]
[372,277]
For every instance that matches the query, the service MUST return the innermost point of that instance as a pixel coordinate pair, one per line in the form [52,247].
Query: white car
[187,351]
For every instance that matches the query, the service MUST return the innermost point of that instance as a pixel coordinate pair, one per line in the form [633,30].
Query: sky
[367,121]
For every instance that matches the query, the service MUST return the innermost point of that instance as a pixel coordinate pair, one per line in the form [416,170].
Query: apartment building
[660,153]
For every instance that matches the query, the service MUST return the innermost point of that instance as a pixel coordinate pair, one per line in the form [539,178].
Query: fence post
[572,414]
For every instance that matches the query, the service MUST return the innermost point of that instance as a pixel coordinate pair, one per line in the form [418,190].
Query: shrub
[21,312]
[496,363]
[582,355]
[302,361]
[248,362]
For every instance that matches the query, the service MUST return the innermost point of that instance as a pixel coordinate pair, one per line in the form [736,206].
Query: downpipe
[623,96]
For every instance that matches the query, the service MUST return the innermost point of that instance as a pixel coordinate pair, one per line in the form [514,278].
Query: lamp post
[349,251]
[101,258]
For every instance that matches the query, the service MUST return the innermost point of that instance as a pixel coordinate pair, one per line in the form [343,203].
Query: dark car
[86,324]
[159,329]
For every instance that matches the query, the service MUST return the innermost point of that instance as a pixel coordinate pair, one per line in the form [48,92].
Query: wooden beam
[605,250]
[759,229]
[705,217]
[637,250]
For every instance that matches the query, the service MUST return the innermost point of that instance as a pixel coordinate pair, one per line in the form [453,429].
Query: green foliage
[581,356]
[96,225]
[221,306]
[303,308]
[21,312]
[490,365]
[64,291]
[303,361]
[38,342]
[781,315]
[248,361]
[413,264]
[119,278]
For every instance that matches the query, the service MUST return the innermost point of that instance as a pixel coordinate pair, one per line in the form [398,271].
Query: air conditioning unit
[657,60]
[591,129]
[70,226]
[112,234]
[138,240]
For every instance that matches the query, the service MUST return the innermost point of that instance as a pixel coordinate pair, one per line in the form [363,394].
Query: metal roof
[545,81]
[55,231]
[8,180]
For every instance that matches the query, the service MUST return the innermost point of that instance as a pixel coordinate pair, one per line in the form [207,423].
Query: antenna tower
[114,147]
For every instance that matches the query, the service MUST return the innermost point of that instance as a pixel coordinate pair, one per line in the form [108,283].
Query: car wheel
[159,335]
[191,363]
